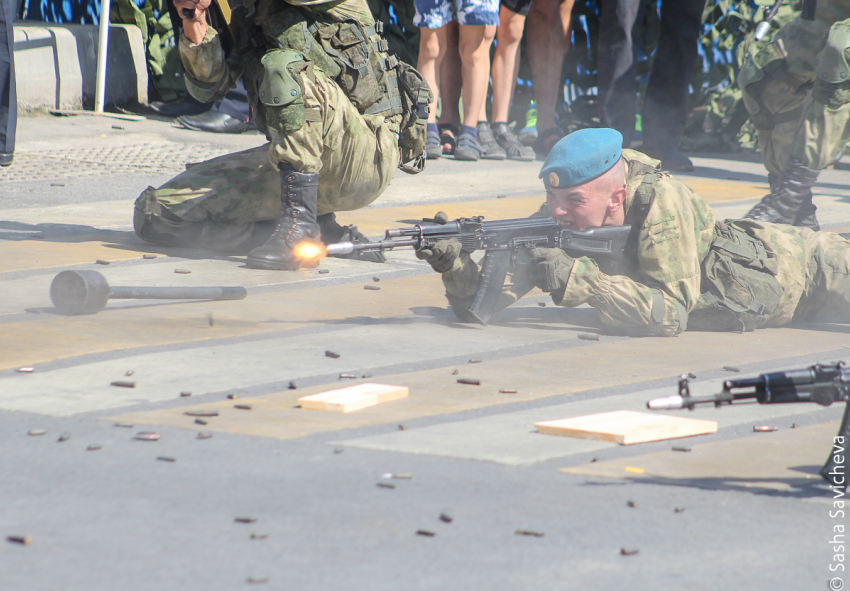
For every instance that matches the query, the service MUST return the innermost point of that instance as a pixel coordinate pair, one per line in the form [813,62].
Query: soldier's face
[579,208]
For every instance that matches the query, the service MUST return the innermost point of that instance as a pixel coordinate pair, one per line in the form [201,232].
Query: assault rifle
[502,239]
[822,384]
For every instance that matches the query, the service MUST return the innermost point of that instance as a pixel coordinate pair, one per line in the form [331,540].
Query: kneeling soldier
[340,114]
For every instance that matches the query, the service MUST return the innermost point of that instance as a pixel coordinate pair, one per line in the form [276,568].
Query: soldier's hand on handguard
[548,268]
[442,256]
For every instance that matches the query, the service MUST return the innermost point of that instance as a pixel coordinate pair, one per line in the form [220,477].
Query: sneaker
[528,134]
[468,148]
[512,146]
[433,149]
[492,149]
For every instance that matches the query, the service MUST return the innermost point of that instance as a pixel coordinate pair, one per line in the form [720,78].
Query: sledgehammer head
[79,292]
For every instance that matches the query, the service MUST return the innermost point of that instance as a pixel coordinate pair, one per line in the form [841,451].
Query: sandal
[512,146]
[433,149]
[448,133]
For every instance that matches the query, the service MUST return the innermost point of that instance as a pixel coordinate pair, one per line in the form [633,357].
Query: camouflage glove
[442,255]
[548,268]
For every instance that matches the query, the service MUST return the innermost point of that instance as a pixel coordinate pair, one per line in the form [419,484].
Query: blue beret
[581,157]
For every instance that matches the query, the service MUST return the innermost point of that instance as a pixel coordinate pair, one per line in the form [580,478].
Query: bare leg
[432,47]
[474,46]
[506,62]
[450,77]
[548,43]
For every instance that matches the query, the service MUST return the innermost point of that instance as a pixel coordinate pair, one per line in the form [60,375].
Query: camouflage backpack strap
[638,210]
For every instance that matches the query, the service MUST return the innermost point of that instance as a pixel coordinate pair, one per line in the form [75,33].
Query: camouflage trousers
[826,288]
[797,114]
[229,203]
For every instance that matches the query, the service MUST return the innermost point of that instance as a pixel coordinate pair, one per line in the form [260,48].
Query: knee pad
[831,64]
[280,90]
[757,77]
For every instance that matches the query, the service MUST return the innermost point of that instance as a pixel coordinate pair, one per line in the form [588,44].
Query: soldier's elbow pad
[667,320]
[831,63]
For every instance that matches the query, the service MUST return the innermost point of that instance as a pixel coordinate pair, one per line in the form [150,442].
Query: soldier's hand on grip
[548,268]
[442,255]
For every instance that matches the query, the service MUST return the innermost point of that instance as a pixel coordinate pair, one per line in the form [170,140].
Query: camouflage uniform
[797,90]
[216,204]
[669,282]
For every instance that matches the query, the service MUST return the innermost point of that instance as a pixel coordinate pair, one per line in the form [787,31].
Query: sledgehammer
[86,292]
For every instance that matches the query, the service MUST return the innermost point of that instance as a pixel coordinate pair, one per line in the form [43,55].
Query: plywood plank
[353,398]
[627,427]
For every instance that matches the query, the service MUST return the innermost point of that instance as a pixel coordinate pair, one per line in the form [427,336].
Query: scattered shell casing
[123,384]
[147,436]
[323,271]
[166,458]
[148,256]
[94,447]
[376,279]
[469,381]
[348,376]
[292,385]
[764,429]
[130,372]
[455,372]
[386,485]
[201,421]
[101,262]
[259,536]
[244,519]
[507,391]
[201,413]
[22,540]
[258,580]
[185,394]
[628,551]
[182,271]
[731,368]
[475,361]
[64,437]
[402,428]
[26,369]
[125,425]
[425,532]
[203,435]
[338,450]
[632,504]
[232,396]
[242,406]
[446,518]
[332,354]
[588,337]
[528,532]
[692,375]
[372,287]
[678,509]
[36,432]
[680,448]
[541,304]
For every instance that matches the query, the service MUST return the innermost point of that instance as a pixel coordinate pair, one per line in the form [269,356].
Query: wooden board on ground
[627,427]
[353,398]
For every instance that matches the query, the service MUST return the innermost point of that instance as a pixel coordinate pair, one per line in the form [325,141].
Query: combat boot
[295,242]
[806,215]
[332,232]
[790,199]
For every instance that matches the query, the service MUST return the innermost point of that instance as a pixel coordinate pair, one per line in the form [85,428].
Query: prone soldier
[797,91]
[683,269]
[340,115]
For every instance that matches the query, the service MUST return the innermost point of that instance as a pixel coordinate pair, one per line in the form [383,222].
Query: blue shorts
[433,14]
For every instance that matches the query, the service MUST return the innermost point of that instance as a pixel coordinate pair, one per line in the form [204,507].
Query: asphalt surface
[281,497]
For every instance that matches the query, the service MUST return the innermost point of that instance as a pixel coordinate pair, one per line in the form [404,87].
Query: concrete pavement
[753,513]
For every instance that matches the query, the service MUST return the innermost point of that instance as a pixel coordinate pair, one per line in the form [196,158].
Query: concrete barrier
[55,66]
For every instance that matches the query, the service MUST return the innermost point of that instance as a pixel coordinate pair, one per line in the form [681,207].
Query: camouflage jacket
[672,243]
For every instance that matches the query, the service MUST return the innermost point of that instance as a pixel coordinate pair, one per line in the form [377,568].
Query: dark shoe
[186,106]
[448,138]
[332,232]
[511,144]
[806,215]
[546,141]
[297,228]
[671,159]
[790,202]
[433,148]
[492,149]
[215,122]
[6,158]
[468,148]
